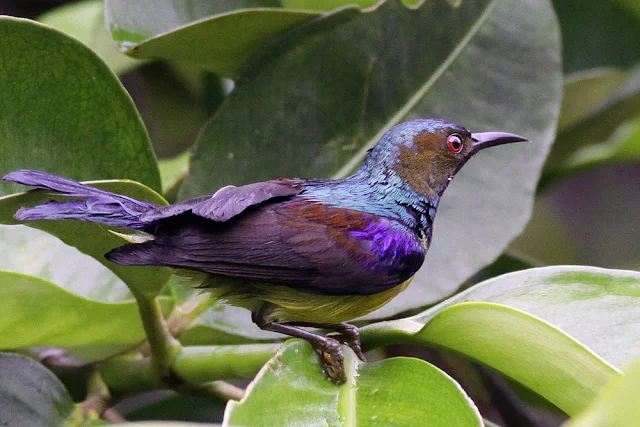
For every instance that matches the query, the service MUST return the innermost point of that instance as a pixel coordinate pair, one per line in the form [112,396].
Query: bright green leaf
[355,80]
[90,238]
[84,20]
[221,35]
[291,389]
[30,395]
[39,313]
[616,405]
[63,110]
[527,348]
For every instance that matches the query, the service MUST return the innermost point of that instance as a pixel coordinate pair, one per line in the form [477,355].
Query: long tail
[98,205]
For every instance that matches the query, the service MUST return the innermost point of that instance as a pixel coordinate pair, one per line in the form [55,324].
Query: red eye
[455,143]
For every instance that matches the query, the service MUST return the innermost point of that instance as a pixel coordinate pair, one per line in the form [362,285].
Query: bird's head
[427,153]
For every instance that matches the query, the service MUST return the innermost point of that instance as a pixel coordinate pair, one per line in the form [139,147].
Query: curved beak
[489,139]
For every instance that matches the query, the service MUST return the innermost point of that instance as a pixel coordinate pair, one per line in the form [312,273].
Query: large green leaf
[356,80]
[221,36]
[39,313]
[92,239]
[292,390]
[529,349]
[616,405]
[30,395]
[63,110]
[84,20]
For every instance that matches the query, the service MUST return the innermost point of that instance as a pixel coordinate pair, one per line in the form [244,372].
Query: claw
[333,361]
[350,336]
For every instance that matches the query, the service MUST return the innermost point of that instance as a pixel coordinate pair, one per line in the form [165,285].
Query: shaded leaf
[30,395]
[597,33]
[604,136]
[90,238]
[234,31]
[527,348]
[585,91]
[63,110]
[40,313]
[291,389]
[355,80]
[170,108]
[84,20]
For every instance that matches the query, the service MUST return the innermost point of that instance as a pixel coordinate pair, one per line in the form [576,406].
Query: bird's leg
[328,348]
[348,334]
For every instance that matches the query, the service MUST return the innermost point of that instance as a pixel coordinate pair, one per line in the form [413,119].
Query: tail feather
[98,205]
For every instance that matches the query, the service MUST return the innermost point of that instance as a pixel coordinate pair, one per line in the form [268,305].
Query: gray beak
[489,139]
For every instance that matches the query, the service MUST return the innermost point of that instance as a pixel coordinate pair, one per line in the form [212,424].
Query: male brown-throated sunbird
[296,252]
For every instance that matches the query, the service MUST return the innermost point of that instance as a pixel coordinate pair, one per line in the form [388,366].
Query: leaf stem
[164,347]
[197,368]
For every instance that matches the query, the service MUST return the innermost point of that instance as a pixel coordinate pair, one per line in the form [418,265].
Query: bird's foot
[332,358]
[350,335]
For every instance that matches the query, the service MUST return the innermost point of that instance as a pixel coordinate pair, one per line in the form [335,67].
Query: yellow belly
[291,305]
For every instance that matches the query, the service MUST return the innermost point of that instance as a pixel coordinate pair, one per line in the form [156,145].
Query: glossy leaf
[84,20]
[30,395]
[291,389]
[616,405]
[568,370]
[63,110]
[37,312]
[90,238]
[235,30]
[357,78]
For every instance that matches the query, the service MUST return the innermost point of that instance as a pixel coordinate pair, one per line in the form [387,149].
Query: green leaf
[30,395]
[325,5]
[585,91]
[356,79]
[92,239]
[525,336]
[39,313]
[616,405]
[221,35]
[631,5]
[172,110]
[173,171]
[63,110]
[597,33]
[36,253]
[291,389]
[84,20]
[605,135]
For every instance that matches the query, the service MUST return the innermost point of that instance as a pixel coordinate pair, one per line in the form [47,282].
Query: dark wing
[227,202]
[298,243]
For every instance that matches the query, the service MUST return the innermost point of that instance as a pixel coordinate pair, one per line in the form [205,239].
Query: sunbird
[296,252]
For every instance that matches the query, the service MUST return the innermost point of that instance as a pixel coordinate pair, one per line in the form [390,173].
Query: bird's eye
[455,143]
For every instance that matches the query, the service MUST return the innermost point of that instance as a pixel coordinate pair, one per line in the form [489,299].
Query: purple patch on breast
[393,248]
